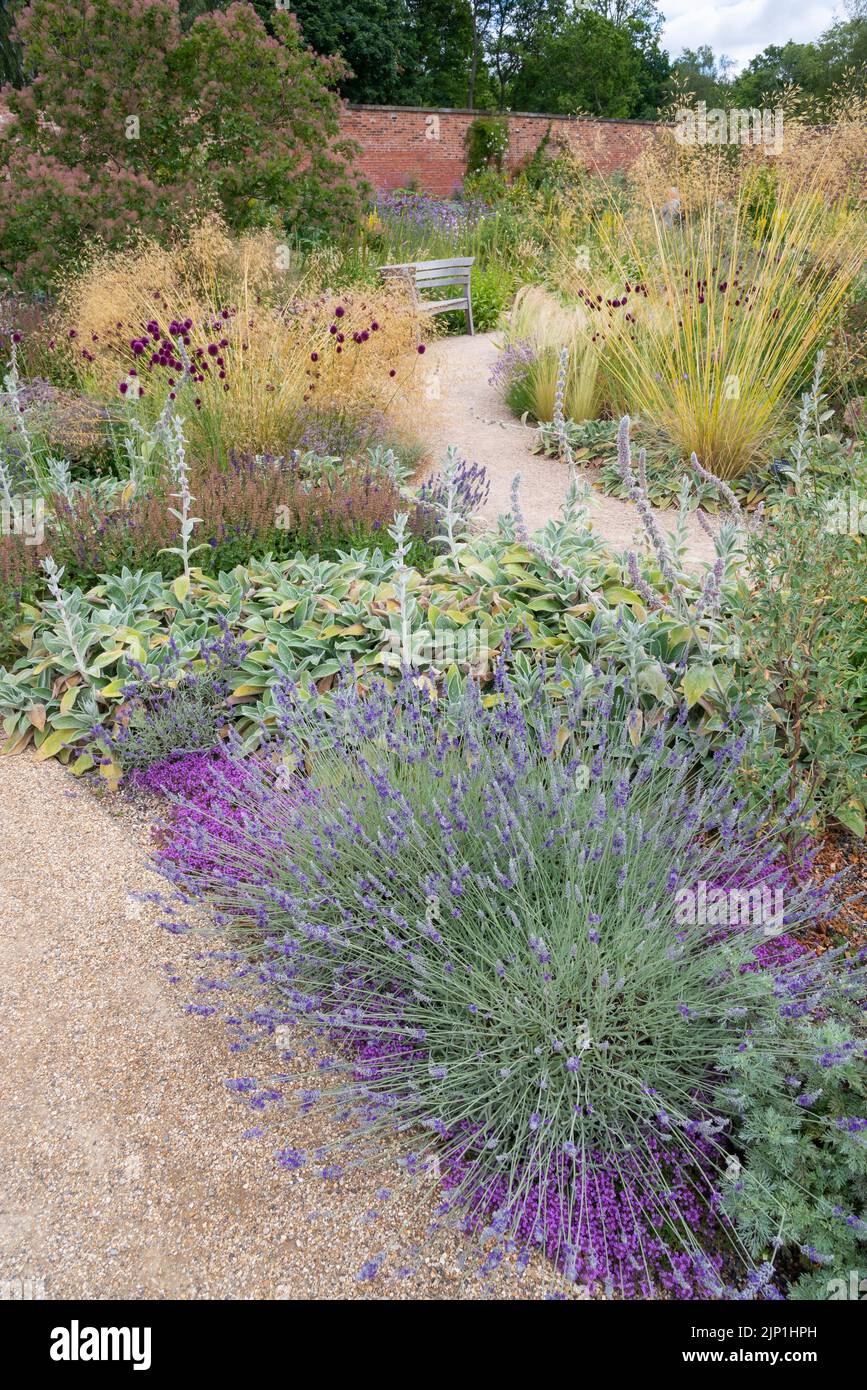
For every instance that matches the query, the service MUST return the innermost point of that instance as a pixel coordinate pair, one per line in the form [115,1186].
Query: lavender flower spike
[639,496]
[723,488]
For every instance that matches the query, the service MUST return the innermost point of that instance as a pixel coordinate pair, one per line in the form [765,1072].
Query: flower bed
[479,912]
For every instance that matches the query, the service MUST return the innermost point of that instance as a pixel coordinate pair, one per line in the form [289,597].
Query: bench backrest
[429,274]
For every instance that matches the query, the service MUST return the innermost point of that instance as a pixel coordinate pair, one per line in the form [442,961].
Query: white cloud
[742,28]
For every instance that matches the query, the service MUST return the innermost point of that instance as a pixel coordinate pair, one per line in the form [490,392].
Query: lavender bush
[416,218]
[481,909]
[173,708]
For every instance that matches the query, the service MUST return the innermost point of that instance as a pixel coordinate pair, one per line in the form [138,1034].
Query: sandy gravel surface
[126,1170]
[473,416]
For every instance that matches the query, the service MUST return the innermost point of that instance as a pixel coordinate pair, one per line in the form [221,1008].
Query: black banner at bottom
[155,1338]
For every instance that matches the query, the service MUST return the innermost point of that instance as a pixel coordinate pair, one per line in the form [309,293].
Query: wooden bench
[423,275]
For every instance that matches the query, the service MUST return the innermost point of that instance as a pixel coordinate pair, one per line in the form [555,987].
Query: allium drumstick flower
[489,942]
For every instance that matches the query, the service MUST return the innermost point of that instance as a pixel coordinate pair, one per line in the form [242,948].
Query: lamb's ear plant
[448,500]
[145,452]
[453,519]
[560,419]
[799,609]
[402,659]
[697,614]
[69,610]
[545,553]
[496,921]
[14,408]
[811,417]
[188,523]
[5,482]
[59,478]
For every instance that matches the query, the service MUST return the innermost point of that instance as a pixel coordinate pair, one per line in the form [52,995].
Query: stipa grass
[539,328]
[476,906]
[212,327]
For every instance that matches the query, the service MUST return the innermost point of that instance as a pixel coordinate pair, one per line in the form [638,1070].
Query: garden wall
[404,144]
[400,144]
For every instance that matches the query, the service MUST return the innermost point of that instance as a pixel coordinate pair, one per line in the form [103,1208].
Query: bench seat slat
[459,261]
[438,306]
[431,277]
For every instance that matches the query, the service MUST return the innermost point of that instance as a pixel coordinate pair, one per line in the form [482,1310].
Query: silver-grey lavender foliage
[476,907]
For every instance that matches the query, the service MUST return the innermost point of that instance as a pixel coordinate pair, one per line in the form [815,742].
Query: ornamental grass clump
[223,331]
[707,322]
[539,328]
[483,908]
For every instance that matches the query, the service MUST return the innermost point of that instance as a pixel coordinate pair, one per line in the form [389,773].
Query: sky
[742,28]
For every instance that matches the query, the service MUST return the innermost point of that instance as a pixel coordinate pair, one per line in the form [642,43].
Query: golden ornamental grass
[266,356]
[539,320]
[733,306]
[714,286]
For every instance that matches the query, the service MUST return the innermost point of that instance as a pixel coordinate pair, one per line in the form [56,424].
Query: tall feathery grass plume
[225,331]
[712,288]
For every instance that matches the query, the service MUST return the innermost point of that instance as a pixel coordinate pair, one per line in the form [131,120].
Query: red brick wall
[403,143]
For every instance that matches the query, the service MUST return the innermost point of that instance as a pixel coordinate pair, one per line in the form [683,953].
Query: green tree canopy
[368,34]
[585,63]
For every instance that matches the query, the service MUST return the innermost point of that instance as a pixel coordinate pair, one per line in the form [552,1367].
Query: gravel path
[474,417]
[127,1172]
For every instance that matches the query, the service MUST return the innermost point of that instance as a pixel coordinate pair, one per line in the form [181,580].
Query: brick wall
[403,143]
[400,143]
